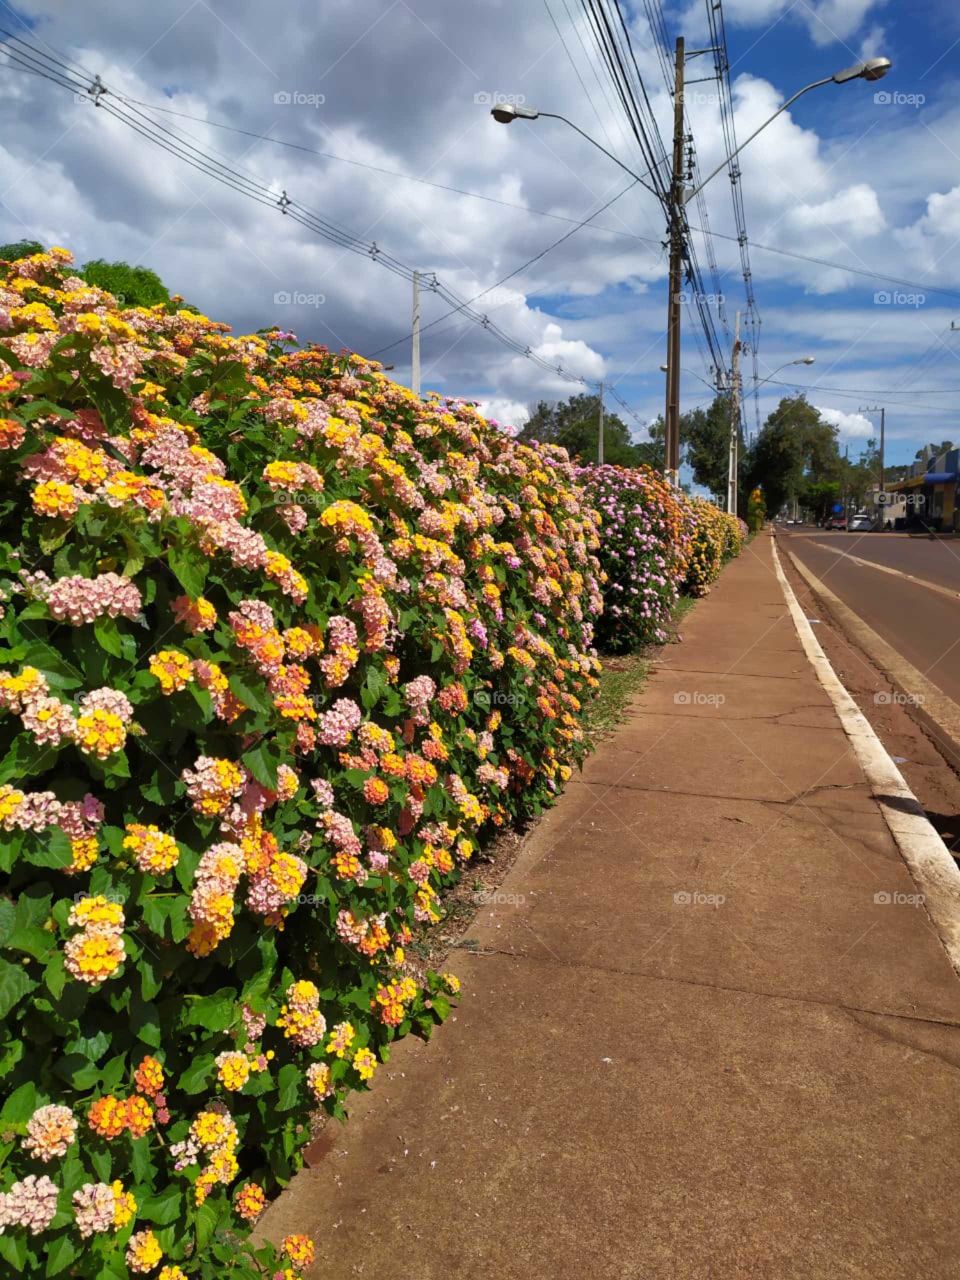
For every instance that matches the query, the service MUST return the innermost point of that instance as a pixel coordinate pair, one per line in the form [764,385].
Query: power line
[509,204]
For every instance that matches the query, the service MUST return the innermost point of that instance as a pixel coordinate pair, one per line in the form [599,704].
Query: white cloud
[851,426]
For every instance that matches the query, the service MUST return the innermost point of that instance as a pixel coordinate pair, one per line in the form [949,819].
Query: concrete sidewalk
[694,1043]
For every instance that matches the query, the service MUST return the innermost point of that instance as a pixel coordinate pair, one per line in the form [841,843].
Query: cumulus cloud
[851,426]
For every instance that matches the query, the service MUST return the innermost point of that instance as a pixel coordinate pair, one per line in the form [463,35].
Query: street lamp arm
[687,195]
[551,115]
[770,377]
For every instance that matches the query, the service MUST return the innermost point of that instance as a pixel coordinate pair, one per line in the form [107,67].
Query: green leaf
[196,1078]
[60,1254]
[55,975]
[164,1207]
[190,568]
[108,636]
[288,1085]
[7,916]
[140,1162]
[13,1249]
[27,758]
[248,693]
[32,939]
[60,674]
[206,1224]
[263,767]
[20,1106]
[14,985]
[213,1013]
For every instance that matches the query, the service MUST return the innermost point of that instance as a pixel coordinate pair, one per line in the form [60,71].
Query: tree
[795,454]
[705,436]
[131,286]
[19,249]
[575,424]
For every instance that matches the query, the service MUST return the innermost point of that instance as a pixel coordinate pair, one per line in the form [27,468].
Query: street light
[506,113]
[691,374]
[679,197]
[802,360]
[872,69]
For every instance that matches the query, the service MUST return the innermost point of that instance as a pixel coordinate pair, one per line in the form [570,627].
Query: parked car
[861,523]
[835,523]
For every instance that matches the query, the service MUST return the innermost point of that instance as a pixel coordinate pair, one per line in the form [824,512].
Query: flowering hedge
[656,543]
[280,643]
[715,537]
[645,545]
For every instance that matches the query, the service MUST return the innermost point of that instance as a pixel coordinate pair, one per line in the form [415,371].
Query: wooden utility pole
[672,414]
[600,430]
[415,363]
[734,463]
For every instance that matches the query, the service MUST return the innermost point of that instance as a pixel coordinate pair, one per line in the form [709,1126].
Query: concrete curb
[930,863]
[938,714]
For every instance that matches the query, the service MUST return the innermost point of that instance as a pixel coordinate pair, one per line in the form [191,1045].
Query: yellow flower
[100,733]
[155,852]
[233,1070]
[172,669]
[54,498]
[364,1064]
[124,1205]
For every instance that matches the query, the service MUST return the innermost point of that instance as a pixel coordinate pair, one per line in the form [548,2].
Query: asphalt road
[922,625]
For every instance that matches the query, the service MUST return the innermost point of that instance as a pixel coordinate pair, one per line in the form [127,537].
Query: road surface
[922,623]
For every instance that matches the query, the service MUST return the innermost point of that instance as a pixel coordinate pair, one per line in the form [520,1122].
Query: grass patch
[621,678]
[624,675]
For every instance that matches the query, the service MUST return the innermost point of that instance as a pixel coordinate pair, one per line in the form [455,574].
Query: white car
[860,523]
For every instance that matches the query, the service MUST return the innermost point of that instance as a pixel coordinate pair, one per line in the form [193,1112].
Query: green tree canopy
[132,286]
[18,249]
[575,424]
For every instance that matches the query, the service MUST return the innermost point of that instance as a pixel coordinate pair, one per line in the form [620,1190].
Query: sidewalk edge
[927,857]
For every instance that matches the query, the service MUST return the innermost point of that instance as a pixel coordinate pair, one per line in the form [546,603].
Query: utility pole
[672,414]
[600,433]
[732,471]
[415,376]
[881,409]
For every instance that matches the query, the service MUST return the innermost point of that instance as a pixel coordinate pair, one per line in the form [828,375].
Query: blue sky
[400,86]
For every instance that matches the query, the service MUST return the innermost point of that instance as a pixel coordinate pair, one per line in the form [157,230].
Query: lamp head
[506,113]
[872,69]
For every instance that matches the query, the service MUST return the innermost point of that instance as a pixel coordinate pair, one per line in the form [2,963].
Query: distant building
[927,496]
